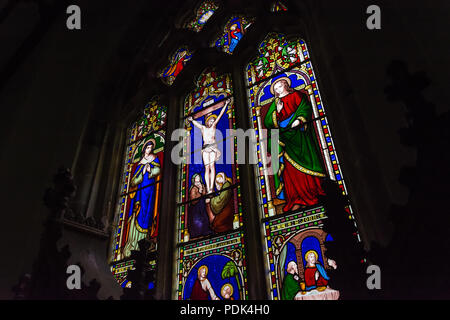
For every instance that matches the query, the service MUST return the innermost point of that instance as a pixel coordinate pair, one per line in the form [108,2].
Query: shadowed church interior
[354,176]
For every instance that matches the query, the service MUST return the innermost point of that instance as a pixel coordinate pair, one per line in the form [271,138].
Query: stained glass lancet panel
[233,32]
[140,190]
[278,6]
[284,97]
[178,61]
[204,12]
[209,234]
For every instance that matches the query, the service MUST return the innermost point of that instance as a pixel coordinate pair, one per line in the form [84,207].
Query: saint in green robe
[290,287]
[300,164]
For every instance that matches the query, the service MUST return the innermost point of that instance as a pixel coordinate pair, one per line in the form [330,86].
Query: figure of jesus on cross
[210,151]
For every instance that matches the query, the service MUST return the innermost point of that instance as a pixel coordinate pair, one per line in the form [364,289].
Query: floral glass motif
[177,62]
[211,255]
[278,6]
[203,14]
[234,30]
[138,207]
[283,94]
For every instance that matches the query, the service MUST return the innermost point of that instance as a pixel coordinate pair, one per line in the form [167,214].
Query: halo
[212,115]
[227,285]
[193,176]
[311,251]
[146,143]
[151,140]
[237,251]
[277,80]
[223,175]
[196,174]
[141,144]
[201,267]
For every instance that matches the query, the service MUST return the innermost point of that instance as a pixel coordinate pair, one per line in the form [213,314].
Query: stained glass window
[286,108]
[211,253]
[202,15]
[278,6]
[177,62]
[233,32]
[140,189]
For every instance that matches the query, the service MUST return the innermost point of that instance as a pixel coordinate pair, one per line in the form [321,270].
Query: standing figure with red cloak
[179,61]
[202,289]
[235,36]
[298,180]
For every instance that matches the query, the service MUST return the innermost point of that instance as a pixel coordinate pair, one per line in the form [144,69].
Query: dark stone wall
[413,32]
[45,105]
